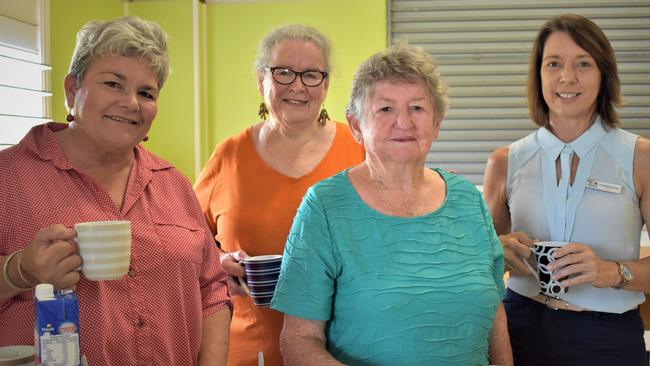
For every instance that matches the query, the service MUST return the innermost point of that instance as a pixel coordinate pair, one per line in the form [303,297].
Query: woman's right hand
[516,249]
[51,258]
[231,263]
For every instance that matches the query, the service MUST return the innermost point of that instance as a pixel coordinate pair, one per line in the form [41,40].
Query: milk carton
[56,327]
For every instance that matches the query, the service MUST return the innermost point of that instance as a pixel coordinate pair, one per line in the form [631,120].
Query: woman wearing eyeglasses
[252,185]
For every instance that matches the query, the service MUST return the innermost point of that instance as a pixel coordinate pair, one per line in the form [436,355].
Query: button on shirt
[154,315]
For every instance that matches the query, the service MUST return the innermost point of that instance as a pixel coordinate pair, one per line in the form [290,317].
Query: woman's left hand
[232,264]
[576,263]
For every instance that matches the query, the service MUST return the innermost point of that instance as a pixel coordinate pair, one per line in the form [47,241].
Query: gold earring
[263,112]
[323,117]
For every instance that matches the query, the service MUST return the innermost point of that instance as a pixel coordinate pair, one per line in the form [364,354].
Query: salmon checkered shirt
[152,316]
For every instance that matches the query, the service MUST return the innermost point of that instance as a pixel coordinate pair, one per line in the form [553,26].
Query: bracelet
[20,271]
[5,273]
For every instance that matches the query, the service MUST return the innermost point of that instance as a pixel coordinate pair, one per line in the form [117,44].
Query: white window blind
[24,87]
[483,49]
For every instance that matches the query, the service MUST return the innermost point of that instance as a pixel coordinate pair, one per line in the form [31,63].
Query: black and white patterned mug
[543,251]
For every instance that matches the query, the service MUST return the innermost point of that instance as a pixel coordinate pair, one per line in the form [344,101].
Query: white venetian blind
[483,49]
[24,94]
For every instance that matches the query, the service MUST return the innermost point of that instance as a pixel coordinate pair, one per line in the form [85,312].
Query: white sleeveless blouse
[601,207]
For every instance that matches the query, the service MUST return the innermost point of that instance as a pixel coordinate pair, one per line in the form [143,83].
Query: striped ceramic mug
[105,249]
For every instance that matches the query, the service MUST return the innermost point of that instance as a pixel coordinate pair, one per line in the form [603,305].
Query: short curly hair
[126,36]
[398,62]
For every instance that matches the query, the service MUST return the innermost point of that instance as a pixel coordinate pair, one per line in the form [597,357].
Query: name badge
[603,186]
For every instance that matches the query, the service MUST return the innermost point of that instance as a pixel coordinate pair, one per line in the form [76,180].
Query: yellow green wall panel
[172,133]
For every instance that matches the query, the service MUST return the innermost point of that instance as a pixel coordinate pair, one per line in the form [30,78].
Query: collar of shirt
[44,144]
[552,145]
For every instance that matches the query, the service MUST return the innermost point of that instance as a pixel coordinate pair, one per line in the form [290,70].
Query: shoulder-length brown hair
[588,36]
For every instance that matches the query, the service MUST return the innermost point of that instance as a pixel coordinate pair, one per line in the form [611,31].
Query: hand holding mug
[516,248]
[577,263]
[50,258]
[231,263]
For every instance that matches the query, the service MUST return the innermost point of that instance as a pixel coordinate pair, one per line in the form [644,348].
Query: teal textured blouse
[394,291]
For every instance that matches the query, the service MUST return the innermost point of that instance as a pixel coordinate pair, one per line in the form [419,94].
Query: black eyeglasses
[285,76]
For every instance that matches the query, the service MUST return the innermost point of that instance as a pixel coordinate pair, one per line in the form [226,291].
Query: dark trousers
[547,337]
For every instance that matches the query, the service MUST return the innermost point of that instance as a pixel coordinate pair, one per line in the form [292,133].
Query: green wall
[172,134]
[228,91]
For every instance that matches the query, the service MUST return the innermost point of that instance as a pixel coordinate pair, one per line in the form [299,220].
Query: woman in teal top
[390,262]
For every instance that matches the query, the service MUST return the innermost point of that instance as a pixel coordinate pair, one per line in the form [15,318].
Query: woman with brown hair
[582,180]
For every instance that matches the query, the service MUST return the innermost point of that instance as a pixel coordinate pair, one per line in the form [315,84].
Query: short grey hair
[292,32]
[126,36]
[400,62]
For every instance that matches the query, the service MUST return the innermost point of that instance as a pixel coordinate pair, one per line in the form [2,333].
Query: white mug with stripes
[105,249]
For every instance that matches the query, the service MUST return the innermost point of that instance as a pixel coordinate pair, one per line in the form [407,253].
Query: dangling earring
[323,117]
[70,116]
[263,112]
[145,139]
